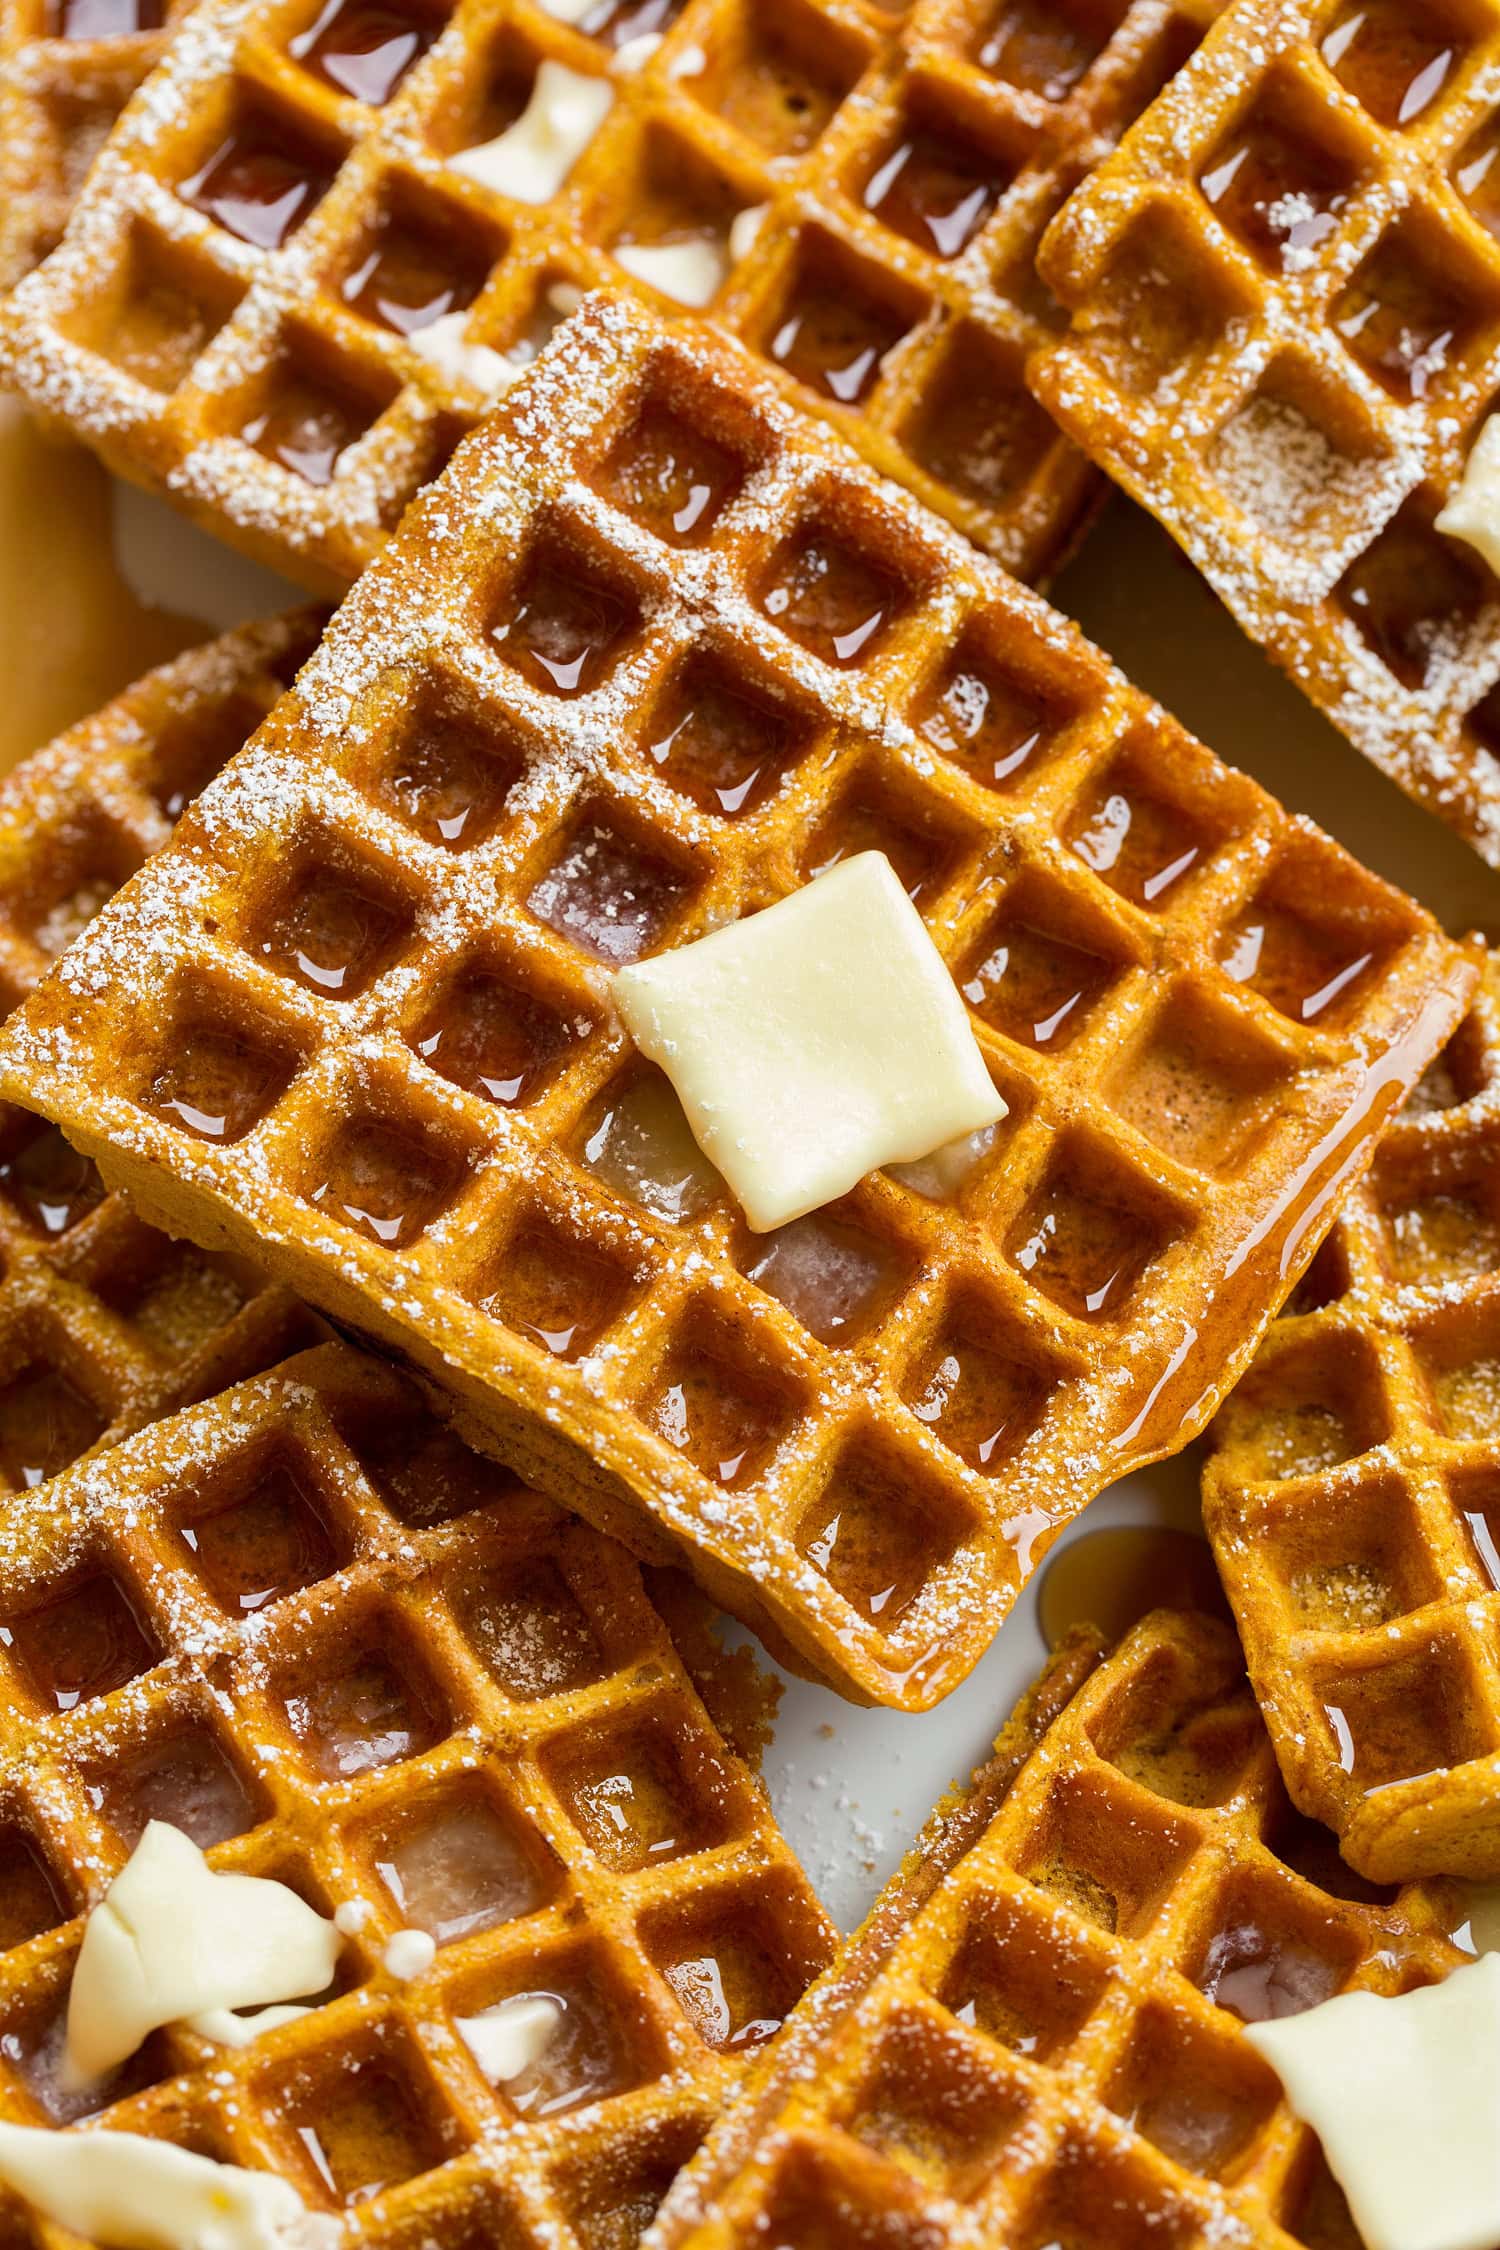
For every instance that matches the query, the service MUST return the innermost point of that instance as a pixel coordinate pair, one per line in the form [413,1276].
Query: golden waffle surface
[280,215]
[67,69]
[649,655]
[103,1322]
[1036,2038]
[1354,1497]
[308,1627]
[1286,298]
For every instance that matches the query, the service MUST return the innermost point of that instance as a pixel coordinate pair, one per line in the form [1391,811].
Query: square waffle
[1037,2036]
[240,336]
[305,1625]
[67,69]
[652,652]
[1286,334]
[1353,1498]
[104,1323]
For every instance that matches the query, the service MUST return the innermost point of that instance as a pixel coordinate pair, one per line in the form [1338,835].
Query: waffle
[902,171]
[383,936]
[1036,2038]
[1353,1498]
[1285,288]
[67,69]
[305,1625]
[104,1323]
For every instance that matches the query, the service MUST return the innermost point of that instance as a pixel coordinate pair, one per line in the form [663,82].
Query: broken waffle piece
[1283,287]
[304,1626]
[1353,1493]
[553,733]
[814,1042]
[103,1322]
[291,204]
[1403,2091]
[1041,2029]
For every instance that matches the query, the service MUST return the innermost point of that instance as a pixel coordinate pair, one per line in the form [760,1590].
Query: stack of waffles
[679,405]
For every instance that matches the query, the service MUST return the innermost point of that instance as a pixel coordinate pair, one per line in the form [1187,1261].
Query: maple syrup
[459,1870]
[565,629]
[264,1546]
[410,276]
[261,181]
[584,2060]
[1278,192]
[1400,321]
[307,431]
[75,631]
[873,1534]
[85,1644]
[450,781]
[336,932]
[1304,972]
[491,1038]
[217,1084]
[363,47]
[385,1182]
[979,1400]
[830,1273]
[607,893]
[1042,46]
[1476,175]
[718,743]
[46,1179]
[1140,845]
[1111,1579]
[1033,985]
[725,1419]
[1396,63]
[1262,1973]
[46,1423]
[731,1993]
[1080,1240]
[834,338]
[831,599]
[31,1901]
[367,2129]
[992,726]
[556,1292]
[186,1781]
[642,1146]
[531,1630]
[630,1799]
[935,192]
[362,1717]
[673,477]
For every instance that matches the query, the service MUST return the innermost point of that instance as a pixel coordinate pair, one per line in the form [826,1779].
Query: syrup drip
[582,2062]
[45,1424]
[1278,195]
[927,191]
[267,1546]
[362,47]
[49,1183]
[1037,47]
[187,1782]
[257,186]
[835,342]
[406,281]
[833,601]
[460,1871]
[993,730]
[1389,61]
[306,432]
[217,1085]
[830,1274]
[492,1040]
[87,1644]
[564,631]
[1112,1579]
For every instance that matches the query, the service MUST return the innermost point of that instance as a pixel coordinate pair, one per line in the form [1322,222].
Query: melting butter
[130,2193]
[813,1042]
[508,2040]
[171,1939]
[1473,514]
[1404,2094]
[443,344]
[530,160]
[691,273]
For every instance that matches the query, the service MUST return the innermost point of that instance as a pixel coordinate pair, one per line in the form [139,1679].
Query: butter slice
[530,160]
[506,2041]
[814,1042]
[131,2193]
[691,273]
[1404,2094]
[171,1939]
[1473,513]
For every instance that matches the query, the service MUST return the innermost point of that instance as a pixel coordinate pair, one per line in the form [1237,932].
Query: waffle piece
[1285,290]
[1036,2038]
[233,312]
[303,1624]
[396,909]
[67,69]
[103,1322]
[1353,1498]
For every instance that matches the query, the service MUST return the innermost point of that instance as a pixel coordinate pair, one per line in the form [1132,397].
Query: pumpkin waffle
[305,1625]
[1353,1498]
[67,69]
[103,1322]
[1037,2036]
[652,652]
[1286,334]
[237,314]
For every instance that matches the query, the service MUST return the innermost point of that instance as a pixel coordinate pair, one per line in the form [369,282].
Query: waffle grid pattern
[1037,2037]
[67,69]
[104,1323]
[862,1430]
[1285,290]
[309,1627]
[1354,1496]
[260,368]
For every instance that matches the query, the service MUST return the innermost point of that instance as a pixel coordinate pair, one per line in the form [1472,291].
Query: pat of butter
[530,160]
[226,2029]
[171,1939]
[1473,513]
[131,2193]
[691,273]
[409,1954]
[814,1042]
[443,345]
[508,2040]
[1404,2094]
